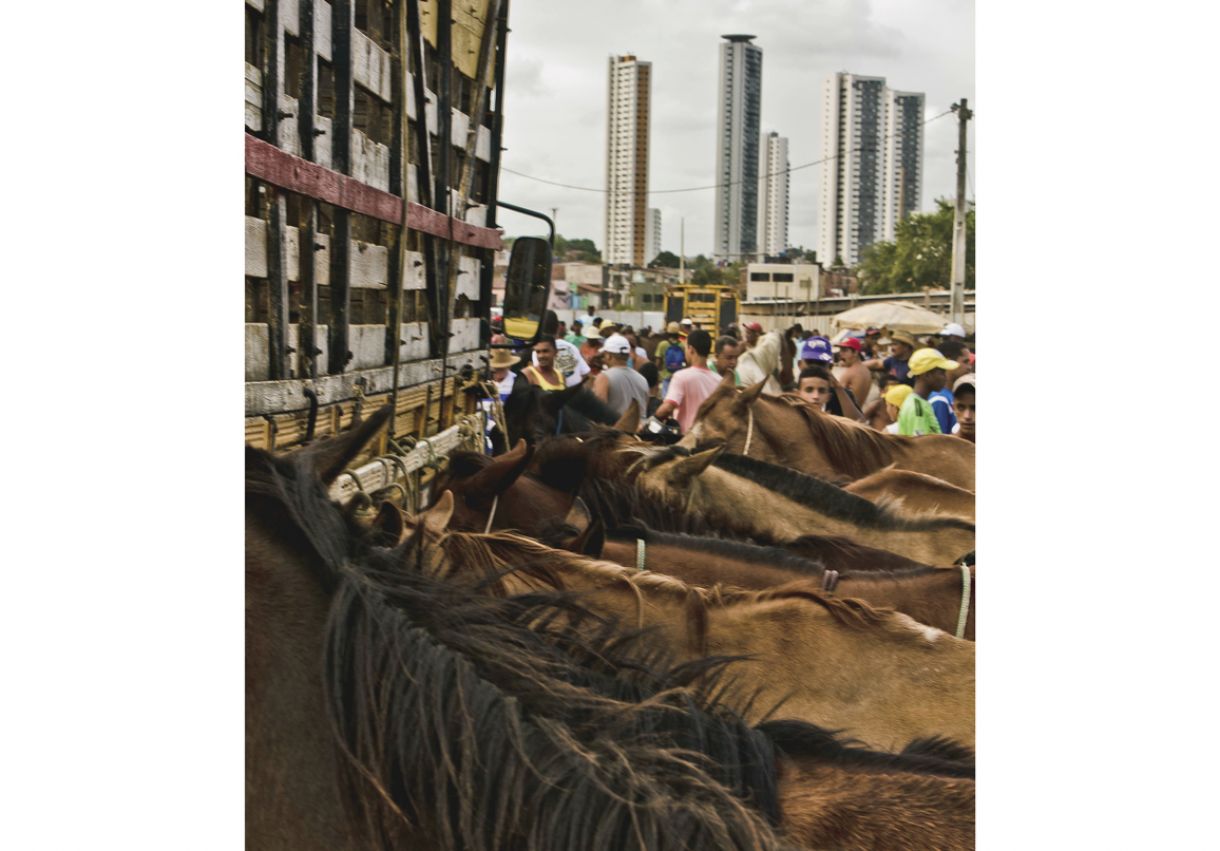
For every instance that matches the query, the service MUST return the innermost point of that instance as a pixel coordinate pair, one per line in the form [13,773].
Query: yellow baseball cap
[896,394]
[925,360]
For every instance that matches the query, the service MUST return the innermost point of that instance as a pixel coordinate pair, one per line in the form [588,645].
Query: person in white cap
[953,331]
[618,384]
[963,406]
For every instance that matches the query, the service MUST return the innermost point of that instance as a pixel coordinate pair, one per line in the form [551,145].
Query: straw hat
[903,337]
[502,358]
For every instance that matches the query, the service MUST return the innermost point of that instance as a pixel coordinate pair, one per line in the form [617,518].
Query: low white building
[783,281]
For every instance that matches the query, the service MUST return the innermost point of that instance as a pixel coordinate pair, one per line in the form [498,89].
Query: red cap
[849,343]
[753,326]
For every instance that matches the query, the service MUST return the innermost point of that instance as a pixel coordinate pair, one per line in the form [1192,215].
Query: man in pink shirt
[690,386]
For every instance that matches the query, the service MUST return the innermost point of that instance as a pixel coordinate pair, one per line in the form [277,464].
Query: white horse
[762,361]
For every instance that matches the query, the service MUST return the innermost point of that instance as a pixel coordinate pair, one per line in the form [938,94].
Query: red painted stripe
[269,163]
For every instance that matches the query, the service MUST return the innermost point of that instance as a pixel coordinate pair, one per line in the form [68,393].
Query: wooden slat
[276,397]
[368,267]
[268,163]
[254,97]
[371,66]
[370,161]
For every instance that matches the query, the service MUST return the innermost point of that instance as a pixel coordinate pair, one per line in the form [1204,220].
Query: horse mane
[853,449]
[592,408]
[941,748]
[946,758]
[831,499]
[770,555]
[488,723]
[824,546]
[281,490]
[548,561]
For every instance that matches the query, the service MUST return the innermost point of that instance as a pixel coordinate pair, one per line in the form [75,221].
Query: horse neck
[784,437]
[885,683]
[703,567]
[292,775]
[931,595]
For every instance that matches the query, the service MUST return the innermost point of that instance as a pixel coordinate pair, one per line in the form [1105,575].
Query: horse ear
[388,527]
[499,475]
[590,542]
[687,468]
[752,392]
[729,380]
[630,421]
[331,457]
[436,519]
[579,516]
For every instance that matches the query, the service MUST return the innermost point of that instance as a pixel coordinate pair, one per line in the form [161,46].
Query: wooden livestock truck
[372,148]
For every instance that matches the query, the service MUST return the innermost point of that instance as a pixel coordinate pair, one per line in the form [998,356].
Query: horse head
[723,414]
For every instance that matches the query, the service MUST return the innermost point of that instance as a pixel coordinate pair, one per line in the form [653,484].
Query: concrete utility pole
[682,252]
[957,284]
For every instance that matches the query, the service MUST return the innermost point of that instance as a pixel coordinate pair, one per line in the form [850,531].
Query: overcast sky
[555,99]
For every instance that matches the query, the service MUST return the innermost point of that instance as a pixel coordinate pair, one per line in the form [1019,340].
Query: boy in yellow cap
[893,398]
[928,371]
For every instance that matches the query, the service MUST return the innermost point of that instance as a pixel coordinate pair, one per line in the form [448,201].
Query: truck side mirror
[527,287]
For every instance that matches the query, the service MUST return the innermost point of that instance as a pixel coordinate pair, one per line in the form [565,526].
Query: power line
[700,188]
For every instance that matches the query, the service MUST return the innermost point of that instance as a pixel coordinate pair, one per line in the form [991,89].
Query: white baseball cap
[953,330]
[616,344]
[687,321]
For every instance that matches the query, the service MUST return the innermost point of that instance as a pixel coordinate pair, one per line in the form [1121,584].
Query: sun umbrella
[895,315]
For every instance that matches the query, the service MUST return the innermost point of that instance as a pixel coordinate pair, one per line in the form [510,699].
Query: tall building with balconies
[872,170]
[773,209]
[738,111]
[627,127]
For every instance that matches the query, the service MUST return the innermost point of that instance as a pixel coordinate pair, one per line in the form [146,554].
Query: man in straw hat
[902,345]
[501,364]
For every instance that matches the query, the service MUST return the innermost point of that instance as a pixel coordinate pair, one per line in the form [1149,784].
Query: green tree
[666,259]
[576,250]
[920,256]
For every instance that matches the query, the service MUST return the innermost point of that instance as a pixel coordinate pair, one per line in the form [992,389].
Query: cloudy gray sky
[555,104]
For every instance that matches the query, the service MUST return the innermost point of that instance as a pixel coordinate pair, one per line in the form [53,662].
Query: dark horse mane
[497,723]
[529,406]
[828,498]
[853,450]
[588,469]
[935,756]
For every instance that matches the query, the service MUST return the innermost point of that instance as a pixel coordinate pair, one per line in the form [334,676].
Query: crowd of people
[890,380]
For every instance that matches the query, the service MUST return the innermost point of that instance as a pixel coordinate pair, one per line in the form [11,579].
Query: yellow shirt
[541,381]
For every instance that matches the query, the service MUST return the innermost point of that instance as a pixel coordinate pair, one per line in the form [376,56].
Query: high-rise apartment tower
[773,210]
[738,110]
[652,246]
[627,160]
[872,174]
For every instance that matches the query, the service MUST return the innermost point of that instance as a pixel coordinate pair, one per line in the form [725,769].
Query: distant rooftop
[744,38]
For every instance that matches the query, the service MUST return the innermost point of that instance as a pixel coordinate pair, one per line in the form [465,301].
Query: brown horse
[930,595]
[876,674]
[387,710]
[380,710]
[531,506]
[767,501]
[793,433]
[909,491]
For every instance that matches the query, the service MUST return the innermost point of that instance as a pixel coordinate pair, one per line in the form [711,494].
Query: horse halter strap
[964,612]
[639,553]
[491,517]
[749,429]
[830,580]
